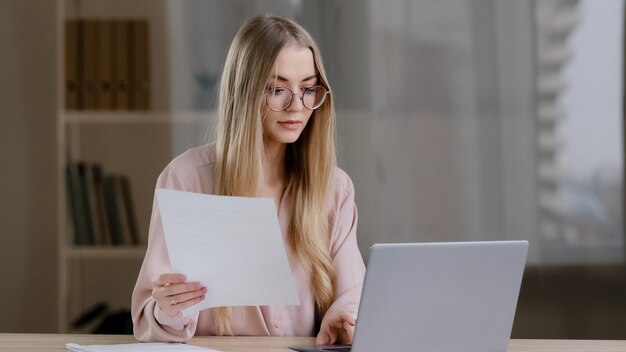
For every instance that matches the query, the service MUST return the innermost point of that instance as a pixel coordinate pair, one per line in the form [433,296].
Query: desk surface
[56,342]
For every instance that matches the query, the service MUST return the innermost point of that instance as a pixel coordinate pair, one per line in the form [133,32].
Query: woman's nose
[296,103]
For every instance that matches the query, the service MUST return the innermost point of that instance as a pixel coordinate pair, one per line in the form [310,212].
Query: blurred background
[457,120]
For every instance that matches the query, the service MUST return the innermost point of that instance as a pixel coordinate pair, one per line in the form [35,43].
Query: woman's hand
[172,294]
[337,328]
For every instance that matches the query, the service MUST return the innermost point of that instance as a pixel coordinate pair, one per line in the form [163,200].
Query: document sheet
[232,245]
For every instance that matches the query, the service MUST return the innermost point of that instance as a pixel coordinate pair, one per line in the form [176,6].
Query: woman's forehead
[294,63]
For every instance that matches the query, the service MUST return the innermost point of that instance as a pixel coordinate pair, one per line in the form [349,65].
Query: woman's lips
[290,124]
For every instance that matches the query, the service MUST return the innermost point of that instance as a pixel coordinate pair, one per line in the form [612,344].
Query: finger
[160,292]
[338,321]
[332,334]
[347,317]
[322,338]
[169,278]
[180,288]
[183,297]
[189,303]
[348,333]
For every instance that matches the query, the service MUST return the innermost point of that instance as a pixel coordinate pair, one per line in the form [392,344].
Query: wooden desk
[56,342]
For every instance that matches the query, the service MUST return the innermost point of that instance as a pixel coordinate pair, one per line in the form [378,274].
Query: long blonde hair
[310,161]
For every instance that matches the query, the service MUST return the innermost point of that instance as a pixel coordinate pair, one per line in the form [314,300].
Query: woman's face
[295,71]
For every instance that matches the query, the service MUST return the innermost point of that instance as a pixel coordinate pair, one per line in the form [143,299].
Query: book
[122,213]
[112,210]
[86,237]
[92,205]
[129,209]
[75,205]
[103,221]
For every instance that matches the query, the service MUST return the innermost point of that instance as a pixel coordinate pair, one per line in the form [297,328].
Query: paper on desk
[139,347]
[232,245]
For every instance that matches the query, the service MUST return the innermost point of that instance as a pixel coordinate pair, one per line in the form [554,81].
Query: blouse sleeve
[345,254]
[149,322]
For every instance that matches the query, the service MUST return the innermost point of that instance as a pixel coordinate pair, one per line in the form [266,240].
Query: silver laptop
[455,296]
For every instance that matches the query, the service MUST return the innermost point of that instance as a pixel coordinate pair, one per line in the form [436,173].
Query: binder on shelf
[107,64]
[104,73]
[121,69]
[140,65]
[72,99]
[90,65]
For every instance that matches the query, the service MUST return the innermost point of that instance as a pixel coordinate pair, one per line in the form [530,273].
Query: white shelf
[105,252]
[85,134]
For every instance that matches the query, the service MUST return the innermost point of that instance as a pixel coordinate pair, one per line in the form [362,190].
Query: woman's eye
[276,91]
[308,91]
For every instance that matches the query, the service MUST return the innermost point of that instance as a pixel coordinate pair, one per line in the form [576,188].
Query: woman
[275,139]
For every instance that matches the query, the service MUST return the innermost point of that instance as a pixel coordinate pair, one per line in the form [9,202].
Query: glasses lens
[313,97]
[278,99]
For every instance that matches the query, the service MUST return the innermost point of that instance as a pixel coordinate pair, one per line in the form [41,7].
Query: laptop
[454,296]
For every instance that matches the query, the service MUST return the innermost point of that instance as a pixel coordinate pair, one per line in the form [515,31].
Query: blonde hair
[310,161]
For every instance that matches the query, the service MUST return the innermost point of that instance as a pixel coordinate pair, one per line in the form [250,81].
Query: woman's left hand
[336,328]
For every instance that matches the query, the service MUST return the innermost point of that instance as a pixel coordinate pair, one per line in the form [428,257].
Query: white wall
[28,166]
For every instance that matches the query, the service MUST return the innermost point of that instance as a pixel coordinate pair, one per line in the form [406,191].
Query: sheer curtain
[441,118]
[441,145]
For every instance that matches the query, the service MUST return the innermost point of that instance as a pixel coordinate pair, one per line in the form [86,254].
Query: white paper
[158,346]
[232,245]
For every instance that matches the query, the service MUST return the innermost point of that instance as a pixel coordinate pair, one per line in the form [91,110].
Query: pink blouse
[192,171]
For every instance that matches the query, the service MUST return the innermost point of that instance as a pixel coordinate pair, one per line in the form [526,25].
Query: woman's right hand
[173,294]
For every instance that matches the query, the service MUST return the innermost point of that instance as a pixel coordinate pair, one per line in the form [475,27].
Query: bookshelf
[136,144]
[133,141]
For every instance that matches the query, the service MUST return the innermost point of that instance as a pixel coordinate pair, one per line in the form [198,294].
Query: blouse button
[278,324]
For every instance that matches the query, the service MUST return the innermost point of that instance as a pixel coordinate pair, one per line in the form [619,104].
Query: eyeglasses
[279,98]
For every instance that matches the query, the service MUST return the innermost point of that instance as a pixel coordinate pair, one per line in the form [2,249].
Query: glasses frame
[300,96]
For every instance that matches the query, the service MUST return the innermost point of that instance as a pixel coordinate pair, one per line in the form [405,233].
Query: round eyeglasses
[279,98]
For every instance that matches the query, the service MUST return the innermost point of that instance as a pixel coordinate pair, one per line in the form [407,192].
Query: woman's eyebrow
[283,79]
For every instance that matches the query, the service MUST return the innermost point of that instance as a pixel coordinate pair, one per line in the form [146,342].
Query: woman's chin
[286,138]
